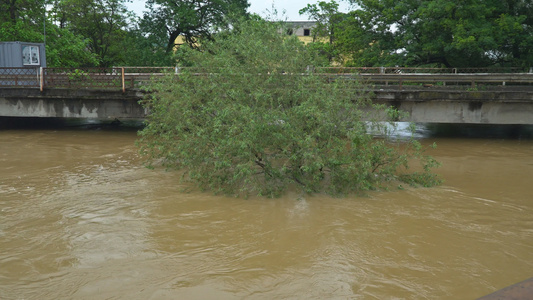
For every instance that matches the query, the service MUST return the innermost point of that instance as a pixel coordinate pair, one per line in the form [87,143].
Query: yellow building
[301,29]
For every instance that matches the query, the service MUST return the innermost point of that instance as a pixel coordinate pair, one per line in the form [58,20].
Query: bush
[249,117]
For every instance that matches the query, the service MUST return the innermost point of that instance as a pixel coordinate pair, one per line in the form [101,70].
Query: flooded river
[81,218]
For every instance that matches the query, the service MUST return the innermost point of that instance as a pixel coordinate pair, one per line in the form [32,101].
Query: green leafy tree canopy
[33,21]
[327,18]
[466,33]
[166,20]
[325,14]
[250,117]
[102,23]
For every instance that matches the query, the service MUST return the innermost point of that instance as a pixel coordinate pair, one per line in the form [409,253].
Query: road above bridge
[430,104]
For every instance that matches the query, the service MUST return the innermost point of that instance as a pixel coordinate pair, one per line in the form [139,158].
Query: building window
[307,32]
[290,31]
[30,55]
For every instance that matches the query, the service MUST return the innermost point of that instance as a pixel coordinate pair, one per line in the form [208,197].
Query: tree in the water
[250,117]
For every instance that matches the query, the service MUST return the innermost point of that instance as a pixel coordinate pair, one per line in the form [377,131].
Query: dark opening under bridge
[472,96]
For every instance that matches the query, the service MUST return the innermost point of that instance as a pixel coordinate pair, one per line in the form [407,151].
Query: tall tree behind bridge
[465,33]
[327,18]
[102,22]
[32,21]
[22,20]
[166,20]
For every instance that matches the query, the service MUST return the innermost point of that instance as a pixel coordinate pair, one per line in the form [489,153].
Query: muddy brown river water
[81,218]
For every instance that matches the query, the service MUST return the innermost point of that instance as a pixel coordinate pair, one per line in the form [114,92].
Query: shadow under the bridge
[490,131]
[68,123]
[423,130]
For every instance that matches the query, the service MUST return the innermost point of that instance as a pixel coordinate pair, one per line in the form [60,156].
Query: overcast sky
[291,7]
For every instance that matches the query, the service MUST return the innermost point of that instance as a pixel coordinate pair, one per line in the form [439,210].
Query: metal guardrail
[135,77]
[90,78]
[417,70]
[439,76]
[25,77]
[471,80]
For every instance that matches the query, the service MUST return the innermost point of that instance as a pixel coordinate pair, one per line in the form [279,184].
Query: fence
[89,78]
[135,77]
[24,77]
[407,70]
[400,76]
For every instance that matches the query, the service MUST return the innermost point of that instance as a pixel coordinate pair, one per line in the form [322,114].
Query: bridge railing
[464,80]
[400,76]
[94,78]
[135,77]
[89,78]
[417,70]
[23,77]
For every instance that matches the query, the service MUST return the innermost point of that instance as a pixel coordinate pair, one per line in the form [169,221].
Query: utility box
[22,55]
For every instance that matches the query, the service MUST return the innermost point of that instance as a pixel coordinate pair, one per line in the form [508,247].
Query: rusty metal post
[123,80]
[41,79]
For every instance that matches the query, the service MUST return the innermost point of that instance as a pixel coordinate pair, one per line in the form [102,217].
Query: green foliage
[324,14]
[327,18]
[329,52]
[466,33]
[101,23]
[89,33]
[140,50]
[166,20]
[25,21]
[78,75]
[20,31]
[67,50]
[248,117]
[21,20]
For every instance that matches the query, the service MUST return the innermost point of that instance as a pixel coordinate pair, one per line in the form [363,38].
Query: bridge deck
[478,98]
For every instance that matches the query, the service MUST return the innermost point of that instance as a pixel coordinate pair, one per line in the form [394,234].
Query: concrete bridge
[480,98]
[71,103]
[429,105]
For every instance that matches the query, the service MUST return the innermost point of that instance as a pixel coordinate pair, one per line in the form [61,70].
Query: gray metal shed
[22,55]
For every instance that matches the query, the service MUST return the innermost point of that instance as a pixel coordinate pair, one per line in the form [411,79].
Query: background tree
[165,20]
[327,18]
[326,15]
[466,33]
[22,20]
[103,23]
[141,49]
[257,122]
[66,50]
